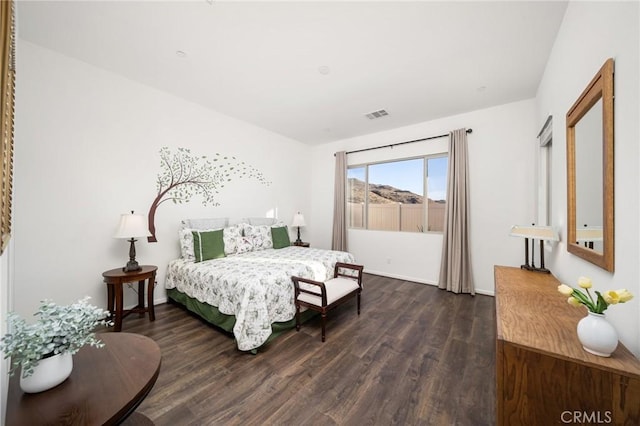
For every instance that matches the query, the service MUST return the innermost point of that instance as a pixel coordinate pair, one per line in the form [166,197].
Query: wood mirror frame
[7,90]
[600,88]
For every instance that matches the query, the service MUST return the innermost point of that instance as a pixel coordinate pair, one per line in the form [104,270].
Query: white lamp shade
[589,233]
[534,232]
[298,220]
[132,226]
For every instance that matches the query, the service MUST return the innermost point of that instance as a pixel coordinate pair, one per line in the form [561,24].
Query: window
[390,196]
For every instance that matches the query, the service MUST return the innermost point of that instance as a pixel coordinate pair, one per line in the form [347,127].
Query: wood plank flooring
[415,356]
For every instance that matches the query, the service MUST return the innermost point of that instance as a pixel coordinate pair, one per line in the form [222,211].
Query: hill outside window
[391,196]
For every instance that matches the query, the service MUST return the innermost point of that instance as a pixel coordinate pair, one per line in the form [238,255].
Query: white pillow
[230,236]
[185,237]
[260,236]
[243,245]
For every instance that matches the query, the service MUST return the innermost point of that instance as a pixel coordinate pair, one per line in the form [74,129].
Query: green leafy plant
[58,329]
[598,304]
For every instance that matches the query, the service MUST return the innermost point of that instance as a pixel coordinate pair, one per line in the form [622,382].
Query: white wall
[86,151]
[501,169]
[590,33]
[6,299]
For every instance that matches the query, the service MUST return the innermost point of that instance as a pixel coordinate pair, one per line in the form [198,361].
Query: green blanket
[226,322]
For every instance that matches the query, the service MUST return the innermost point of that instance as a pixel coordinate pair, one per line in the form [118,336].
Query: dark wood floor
[416,355]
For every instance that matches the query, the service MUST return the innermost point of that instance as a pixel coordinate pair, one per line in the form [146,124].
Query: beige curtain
[339,204]
[455,269]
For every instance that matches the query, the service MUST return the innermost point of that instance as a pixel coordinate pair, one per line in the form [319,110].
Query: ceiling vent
[376,114]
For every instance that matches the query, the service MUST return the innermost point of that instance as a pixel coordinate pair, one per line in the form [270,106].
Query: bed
[248,292]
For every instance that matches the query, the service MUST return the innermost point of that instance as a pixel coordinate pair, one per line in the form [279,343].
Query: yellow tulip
[624,295]
[565,290]
[573,301]
[584,282]
[611,297]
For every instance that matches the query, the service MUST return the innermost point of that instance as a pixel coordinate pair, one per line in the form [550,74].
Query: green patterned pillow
[280,237]
[208,245]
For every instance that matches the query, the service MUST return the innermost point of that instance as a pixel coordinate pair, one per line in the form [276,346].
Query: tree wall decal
[184,175]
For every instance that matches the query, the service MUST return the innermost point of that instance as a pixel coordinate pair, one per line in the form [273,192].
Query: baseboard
[155,302]
[419,281]
[400,277]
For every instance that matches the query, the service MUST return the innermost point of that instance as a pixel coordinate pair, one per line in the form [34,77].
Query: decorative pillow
[230,235]
[208,245]
[186,242]
[260,236]
[243,245]
[280,237]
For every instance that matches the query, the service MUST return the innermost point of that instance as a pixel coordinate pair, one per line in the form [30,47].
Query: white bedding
[255,287]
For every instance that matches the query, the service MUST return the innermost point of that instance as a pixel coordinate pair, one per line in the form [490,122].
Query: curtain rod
[402,143]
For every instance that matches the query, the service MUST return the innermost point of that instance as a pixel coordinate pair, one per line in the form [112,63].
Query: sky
[407,175]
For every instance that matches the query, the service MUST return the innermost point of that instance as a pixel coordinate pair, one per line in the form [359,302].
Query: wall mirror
[7,79]
[590,172]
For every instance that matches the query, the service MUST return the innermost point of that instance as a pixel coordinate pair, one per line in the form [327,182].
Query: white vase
[597,335]
[49,373]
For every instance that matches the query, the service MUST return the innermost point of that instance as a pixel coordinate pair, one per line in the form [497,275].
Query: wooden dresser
[543,376]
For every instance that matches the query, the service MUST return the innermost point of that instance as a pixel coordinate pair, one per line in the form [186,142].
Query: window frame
[425,181]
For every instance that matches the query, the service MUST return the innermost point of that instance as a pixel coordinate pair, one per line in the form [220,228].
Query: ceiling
[311,71]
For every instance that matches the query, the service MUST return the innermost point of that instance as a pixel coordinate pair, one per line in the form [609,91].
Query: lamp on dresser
[534,232]
[298,221]
[589,235]
[132,226]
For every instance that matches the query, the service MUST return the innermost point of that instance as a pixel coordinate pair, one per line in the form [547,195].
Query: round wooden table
[106,385]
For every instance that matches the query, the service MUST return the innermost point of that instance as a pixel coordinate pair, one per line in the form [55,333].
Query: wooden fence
[397,216]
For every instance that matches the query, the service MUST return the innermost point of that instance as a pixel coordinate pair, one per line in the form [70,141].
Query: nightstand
[300,244]
[116,278]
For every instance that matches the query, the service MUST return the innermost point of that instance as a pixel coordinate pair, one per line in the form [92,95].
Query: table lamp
[298,221]
[589,235]
[132,226]
[535,232]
